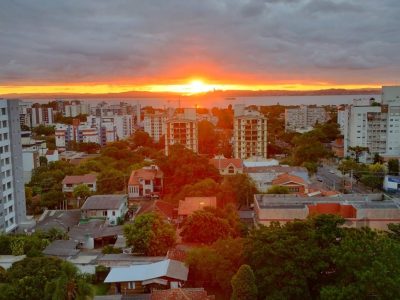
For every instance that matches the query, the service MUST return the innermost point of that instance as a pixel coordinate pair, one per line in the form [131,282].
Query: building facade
[376,126]
[12,192]
[154,125]
[182,128]
[249,133]
[304,117]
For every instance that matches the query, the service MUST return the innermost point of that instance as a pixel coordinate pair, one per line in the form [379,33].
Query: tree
[150,235]
[81,191]
[110,181]
[243,284]
[346,165]
[183,167]
[43,161]
[141,139]
[208,138]
[52,199]
[393,166]
[378,158]
[27,278]
[205,226]
[277,189]
[70,284]
[358,151]
[44,130]
[239,187]
[374,177]
[291,261]
[215,265]
[359,272]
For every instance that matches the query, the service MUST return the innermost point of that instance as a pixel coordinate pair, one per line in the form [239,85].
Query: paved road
[332,179]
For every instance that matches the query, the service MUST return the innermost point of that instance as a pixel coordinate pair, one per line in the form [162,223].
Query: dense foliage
[44,278]
[150,234]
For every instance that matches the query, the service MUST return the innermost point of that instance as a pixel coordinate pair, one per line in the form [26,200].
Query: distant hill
[228,93]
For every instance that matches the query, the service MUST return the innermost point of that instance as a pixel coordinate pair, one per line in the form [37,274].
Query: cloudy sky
[161,42]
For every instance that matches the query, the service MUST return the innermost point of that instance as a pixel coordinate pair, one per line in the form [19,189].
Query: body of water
[210,102]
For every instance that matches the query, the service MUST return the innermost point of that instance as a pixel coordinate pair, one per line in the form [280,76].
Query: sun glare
[198,86]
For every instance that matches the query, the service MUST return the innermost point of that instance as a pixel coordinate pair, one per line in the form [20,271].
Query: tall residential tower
[12,192]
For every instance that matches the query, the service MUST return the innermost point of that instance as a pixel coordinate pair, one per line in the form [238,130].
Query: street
[332,178]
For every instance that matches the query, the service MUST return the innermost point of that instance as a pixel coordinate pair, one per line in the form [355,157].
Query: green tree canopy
[393,166]
[150,235]
[244,284]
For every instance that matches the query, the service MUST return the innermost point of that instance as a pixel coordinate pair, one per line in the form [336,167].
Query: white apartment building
[249,133]
[76,108]
[374,126]
[82,133]
[33,116]
[154,125]
[182,129]
[304,117]
[12,192]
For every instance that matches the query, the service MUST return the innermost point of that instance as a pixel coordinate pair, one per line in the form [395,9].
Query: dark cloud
[141,41]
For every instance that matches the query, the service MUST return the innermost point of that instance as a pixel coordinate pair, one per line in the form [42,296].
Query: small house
[139,279]
[109,207]
[70,182]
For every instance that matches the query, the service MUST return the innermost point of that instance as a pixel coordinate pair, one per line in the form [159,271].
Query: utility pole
[351,180]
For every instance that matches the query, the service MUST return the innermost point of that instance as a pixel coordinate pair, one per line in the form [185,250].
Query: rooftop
[166,268]
[60,219]
[145,174]
[191,204]
[79,179]
[104,202]
[222,163]
[63,248]
[289,201]
[288,178]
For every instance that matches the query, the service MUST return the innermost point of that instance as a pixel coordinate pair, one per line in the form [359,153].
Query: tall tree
[150,235]
[244,285]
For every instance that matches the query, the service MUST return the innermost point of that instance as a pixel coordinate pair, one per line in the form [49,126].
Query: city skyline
[190,47]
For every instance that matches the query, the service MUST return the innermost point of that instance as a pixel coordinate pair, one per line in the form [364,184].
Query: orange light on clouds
[193,86]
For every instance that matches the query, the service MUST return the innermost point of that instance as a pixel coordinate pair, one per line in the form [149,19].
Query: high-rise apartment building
[12,192]
[182,129]
[249,133]
[304,117]
[154,125]
[374,125]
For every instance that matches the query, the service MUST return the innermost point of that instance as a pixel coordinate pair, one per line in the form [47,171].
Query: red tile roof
[145,174]
[223,163]
[288,178]
[165,208]
[191,204]
[79,179]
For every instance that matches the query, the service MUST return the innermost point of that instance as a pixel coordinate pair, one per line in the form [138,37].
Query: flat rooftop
[289,201]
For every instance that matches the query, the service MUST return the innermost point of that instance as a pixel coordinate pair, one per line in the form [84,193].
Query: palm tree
[71,285]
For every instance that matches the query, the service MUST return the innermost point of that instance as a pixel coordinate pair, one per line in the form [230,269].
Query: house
[166,209]
[109,207]
[191,204]
[295,184]
[264,175]
[138,279]
[358,210]
[62,249]
[391,184]
[70,182]
[227,166]
[145,182]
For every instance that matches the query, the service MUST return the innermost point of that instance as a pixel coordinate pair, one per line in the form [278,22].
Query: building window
[3,111]
[131,285]
[231,170]
[113,213]
[104,213]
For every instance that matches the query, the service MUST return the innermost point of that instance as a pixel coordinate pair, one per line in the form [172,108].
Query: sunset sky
[192,46]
